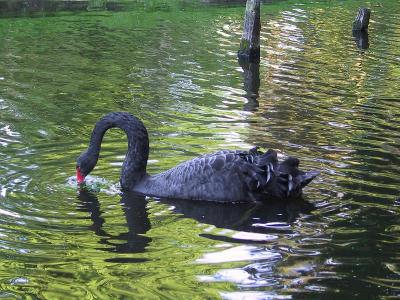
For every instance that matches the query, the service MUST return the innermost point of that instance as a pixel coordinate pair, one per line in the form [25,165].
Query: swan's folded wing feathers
[233,176]
[227,173]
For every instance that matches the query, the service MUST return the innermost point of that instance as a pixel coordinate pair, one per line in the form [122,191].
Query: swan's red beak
[80,178]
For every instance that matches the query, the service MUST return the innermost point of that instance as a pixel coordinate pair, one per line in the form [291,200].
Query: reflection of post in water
[360,28]
[137,219]
[251,78]
[361,38]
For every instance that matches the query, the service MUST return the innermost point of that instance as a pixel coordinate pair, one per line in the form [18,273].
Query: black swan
[224,176]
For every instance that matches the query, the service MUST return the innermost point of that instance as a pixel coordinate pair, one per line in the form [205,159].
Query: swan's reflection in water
[246,217]
[134,207]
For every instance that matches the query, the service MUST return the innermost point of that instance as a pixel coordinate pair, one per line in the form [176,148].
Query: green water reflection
[173,64]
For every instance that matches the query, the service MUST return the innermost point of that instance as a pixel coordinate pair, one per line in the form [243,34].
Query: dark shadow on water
[249,218]
[240,217]
[134,207]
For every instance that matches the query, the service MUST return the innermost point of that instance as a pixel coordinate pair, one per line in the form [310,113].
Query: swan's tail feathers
[254,151]
[289,166]
[274,179]
[286,180]
[307,177]
[292,184]
[268,158]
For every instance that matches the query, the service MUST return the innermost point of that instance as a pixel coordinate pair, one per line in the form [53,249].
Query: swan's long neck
[134,166]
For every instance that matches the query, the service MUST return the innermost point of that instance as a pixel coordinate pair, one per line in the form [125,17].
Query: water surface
[316,95]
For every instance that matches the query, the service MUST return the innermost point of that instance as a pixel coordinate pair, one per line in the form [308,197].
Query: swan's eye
[80,177]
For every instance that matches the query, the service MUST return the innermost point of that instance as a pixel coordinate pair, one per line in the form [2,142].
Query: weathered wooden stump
[362,21]
[360,28]
[250,42]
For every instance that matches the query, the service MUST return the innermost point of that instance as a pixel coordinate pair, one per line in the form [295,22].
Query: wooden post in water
[250,42]
[362,21]
[360,28]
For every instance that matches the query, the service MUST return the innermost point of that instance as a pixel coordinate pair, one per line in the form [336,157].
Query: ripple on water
[237,276]
[253,295]
[238,253]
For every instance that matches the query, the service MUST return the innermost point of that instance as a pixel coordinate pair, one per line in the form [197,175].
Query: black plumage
[223,176]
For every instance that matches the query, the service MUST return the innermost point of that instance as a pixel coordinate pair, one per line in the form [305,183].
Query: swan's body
[224,176]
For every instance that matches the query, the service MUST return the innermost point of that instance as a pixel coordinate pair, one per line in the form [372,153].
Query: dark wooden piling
[362,21]
[360,28]
[250,42]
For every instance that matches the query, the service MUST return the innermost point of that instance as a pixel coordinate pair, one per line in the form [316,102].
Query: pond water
[316,95]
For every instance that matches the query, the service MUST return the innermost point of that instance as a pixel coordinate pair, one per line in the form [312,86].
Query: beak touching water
[80,178]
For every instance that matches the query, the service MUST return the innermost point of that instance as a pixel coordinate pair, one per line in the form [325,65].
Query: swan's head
[84,165]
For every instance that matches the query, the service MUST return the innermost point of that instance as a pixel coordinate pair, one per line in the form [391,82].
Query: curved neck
[134,166]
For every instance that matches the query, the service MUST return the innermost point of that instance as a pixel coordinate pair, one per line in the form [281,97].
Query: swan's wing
[225,176]
[231,176]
